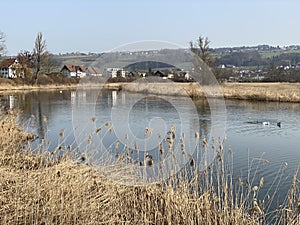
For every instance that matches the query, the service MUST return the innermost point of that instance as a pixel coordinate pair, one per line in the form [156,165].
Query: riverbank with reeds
[280,92]
[23,88]
[40,187]
[55,82]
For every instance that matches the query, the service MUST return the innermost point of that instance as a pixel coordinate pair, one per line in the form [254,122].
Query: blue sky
[96,26]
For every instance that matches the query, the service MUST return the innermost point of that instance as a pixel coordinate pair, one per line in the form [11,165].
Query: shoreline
[4,89]
[275,92]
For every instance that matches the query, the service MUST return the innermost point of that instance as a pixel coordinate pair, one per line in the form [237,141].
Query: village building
[93,71]
[116,72]
[73,71]
[11,68]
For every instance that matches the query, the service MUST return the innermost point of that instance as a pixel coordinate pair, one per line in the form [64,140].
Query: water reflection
[53,111]
[131,115]
[11,101]
[114,97]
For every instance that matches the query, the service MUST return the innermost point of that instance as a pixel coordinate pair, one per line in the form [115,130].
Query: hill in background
[255,56]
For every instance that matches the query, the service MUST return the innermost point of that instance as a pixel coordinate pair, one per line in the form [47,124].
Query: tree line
[34,62]
[40,60]
[276,65]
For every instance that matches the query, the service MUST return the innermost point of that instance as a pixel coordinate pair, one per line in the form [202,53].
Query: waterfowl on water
[266,123]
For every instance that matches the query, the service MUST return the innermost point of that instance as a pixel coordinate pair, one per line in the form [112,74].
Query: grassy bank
[22,88]
[46,188]
[283,92]
[44,82]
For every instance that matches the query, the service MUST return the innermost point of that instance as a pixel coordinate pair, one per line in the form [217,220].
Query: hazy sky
[96,26]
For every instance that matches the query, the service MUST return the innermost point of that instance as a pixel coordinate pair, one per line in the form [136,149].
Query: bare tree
[2,45]
[50,63]
[26,60]
[39,51]
[202,49]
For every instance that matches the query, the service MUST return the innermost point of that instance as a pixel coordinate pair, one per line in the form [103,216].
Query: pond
[263,136]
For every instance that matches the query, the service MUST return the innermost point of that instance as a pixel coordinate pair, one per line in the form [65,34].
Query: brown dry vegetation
[44,82]
[283,92]
[42,188]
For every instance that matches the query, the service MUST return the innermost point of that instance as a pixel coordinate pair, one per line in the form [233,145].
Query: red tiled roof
[7,62]
[94,70]
[73,68]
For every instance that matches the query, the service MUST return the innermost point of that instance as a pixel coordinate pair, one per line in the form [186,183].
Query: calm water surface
[258,148]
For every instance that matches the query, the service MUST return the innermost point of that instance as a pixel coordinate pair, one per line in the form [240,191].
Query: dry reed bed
[282,92]
[164,88]
[40,189]
[7,88]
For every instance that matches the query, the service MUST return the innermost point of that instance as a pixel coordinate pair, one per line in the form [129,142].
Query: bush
[44,80]
[120,79]
[59,78]
[5,81]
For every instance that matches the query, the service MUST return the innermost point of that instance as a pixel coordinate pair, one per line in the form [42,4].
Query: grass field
[277,52]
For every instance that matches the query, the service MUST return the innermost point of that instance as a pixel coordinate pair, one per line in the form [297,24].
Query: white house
[11,68]
[122,73]
[116,72]
[93,71]
[187,76]
[73,71]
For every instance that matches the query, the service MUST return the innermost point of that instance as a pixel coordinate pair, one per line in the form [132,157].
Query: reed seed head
[98,130]
[255,188]
[90,139]
[240,181]
[205,141]
[62,133]
[150,162]
[261,182]
[192,162]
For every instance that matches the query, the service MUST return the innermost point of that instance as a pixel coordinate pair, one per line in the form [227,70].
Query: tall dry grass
[44,188]
[283,92]
[280,92]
